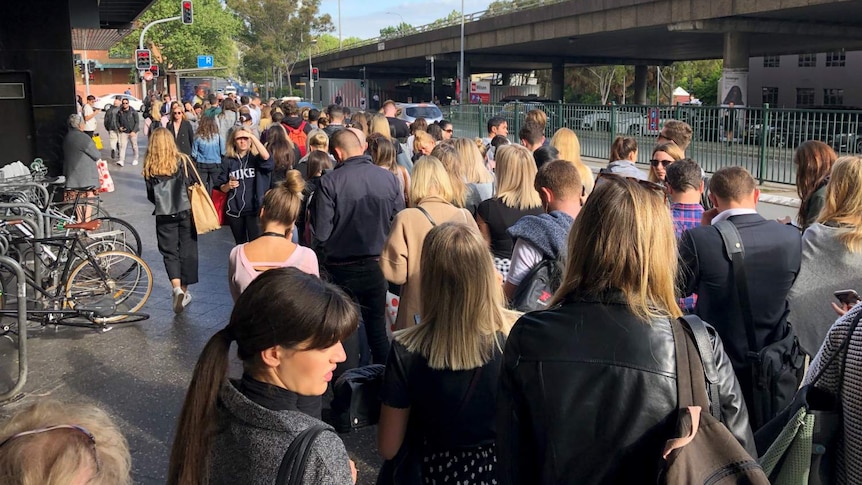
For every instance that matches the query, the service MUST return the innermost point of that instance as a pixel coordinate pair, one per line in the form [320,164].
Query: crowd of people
[577,382]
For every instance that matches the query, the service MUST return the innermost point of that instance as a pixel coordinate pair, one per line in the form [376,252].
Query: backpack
[298,136]
[538,286]
[702,449]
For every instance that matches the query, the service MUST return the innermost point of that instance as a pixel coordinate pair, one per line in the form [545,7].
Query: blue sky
[365,18]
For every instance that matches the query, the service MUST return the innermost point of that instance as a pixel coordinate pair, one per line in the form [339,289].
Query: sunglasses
[664,163]
[89,436]
[242,138]
[450,130]
[178,112]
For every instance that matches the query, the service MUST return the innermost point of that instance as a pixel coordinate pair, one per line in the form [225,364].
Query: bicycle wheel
[97,323]
[122,276]
[78,212]
[119,230]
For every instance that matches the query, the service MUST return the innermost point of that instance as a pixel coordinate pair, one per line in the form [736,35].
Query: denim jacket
[208,150]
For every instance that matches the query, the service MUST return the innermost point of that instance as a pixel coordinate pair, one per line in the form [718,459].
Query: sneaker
[121,163]
[135,161]
[179,298]
[187,299]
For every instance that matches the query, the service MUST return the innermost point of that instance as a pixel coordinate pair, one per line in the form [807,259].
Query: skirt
[469,466]
[502,265]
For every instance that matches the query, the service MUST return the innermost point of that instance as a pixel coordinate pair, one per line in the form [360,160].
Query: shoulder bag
[292,468]
[204,213]
[773,372]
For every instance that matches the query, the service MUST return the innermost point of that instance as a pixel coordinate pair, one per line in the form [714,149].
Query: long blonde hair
[621,240]
[163,156]
[448,156]
[671,149]
[379,124]
[843,205]
[462,304]
[516,174]
[569,147]
[472,164]
[430,178]
[230,150]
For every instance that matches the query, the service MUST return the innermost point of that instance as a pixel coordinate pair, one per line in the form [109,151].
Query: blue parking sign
[205,62]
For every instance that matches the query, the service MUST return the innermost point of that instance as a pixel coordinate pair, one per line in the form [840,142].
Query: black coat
[588,396]
[185,136]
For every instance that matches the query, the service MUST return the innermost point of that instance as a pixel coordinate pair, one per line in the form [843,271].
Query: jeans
[209,173]
[244,228]
[178,243]
[365,283]
[124,142]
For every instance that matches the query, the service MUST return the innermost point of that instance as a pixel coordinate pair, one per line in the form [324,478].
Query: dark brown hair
[678,132]
[318,161]
[622,147]
[732,183]
[382,152]
[683,175]
[207,128]
[281,307]
[280,148]
[813,160]
[418,124]
[532,132]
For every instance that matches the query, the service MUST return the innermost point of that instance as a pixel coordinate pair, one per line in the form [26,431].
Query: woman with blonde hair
[569,148]
[379,124]
[448,156]
[246,169]
[607,332]
[318,140]
[663,155]
[516,198]
[431,196]
[441,378]
[423,144]
[831,255]
[479,180]
[50,442]
[168,174]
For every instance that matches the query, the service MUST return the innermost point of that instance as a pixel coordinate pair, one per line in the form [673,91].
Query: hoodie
[547,232]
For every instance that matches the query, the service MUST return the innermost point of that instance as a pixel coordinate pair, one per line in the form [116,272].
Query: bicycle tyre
[131,239]
[124,282]
[81,321]
[96,211]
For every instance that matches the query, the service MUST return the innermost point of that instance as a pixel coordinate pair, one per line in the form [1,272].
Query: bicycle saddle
[87,226]
[102,308]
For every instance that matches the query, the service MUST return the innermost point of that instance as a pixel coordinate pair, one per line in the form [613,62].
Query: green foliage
[177,45]
[329,42]
[454,17]
[498,7]
[401,29]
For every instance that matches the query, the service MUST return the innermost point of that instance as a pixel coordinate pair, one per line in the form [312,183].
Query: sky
[364,19]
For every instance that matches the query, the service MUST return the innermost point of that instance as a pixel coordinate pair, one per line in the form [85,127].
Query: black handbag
[356,401]
[292,468]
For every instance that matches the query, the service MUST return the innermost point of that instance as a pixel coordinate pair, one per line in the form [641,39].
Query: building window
[807,60]
[835,59]
[771,61]
[770,95]
[833,97]
[804,97]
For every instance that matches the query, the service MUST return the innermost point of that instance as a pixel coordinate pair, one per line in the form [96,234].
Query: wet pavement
[139,372]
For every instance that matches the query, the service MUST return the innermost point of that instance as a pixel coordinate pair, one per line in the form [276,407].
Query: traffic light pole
[141,46]
[86,66]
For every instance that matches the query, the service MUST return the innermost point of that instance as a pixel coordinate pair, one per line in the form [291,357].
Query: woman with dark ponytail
[288,327]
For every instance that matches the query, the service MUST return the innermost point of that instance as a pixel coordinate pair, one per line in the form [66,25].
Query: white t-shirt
[525,257]
[89,125]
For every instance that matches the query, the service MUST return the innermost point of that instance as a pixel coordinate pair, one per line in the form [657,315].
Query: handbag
[292,468]
[219,199]
[97,139]
[106,183]
[356,401]
[799,445]
[204,214]
[773,372]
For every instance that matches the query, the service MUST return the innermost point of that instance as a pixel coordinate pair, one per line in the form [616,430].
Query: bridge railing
[761,139]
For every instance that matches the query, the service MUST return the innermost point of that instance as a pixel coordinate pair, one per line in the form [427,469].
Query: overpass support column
[640,85]
[733,87]
[558,79]
[465,84]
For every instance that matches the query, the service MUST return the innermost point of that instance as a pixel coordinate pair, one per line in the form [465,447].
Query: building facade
[807,80]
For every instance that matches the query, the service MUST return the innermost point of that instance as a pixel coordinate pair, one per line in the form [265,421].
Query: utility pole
[86,66]
[461,73]
[431,58]
[340,39]
[141,46]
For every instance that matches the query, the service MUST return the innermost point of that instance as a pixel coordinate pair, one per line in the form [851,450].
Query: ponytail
[189,454]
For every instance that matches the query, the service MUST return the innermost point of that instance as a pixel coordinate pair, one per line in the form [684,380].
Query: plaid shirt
[686,216]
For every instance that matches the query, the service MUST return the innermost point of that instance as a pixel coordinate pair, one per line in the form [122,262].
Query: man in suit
[772,253]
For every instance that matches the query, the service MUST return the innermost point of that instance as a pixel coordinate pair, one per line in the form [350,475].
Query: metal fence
[762,140]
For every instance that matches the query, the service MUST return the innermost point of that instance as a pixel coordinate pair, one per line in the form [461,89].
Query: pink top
[241,272]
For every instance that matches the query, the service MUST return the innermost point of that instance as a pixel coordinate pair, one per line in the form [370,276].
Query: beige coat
[403,248]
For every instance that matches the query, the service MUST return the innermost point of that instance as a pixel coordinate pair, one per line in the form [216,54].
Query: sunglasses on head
[664,163]
[80,429]
[242,138]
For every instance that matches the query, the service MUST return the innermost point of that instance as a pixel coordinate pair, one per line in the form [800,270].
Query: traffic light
[155,70]
[142,59]
[91,67]
[187,12]
[315,74]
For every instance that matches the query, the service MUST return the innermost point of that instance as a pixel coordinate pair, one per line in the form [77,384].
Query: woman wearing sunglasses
[182,130]
[663,155]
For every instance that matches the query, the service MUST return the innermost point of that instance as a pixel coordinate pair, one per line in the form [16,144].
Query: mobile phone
[848,297]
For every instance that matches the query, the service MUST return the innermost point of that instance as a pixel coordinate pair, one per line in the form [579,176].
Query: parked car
[410,111]
[628,123]
[107,101]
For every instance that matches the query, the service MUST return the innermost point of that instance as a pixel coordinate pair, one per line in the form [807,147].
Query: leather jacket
[588,395]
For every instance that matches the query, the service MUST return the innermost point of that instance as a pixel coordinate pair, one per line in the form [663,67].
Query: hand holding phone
[847,297]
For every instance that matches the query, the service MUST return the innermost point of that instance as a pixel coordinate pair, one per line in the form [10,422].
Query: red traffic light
[315,74]
[187,11]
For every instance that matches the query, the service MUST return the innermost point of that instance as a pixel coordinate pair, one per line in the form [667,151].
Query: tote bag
[203,210]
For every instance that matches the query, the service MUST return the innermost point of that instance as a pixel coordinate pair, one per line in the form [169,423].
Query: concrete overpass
[622,32]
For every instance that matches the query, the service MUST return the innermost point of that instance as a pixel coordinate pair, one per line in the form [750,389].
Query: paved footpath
[139,372]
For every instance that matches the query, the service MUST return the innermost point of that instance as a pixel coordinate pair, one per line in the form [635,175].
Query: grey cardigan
[251,440]
[79,166]
[827,266]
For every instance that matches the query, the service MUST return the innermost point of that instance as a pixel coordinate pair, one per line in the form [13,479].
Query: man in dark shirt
[336,120]
[351,214]
[397,126]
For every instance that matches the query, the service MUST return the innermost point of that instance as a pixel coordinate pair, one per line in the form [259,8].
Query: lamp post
[461,73]
[310,76]
[399,16]
[431,58]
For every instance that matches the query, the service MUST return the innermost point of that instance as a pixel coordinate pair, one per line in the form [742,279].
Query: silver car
[410,111]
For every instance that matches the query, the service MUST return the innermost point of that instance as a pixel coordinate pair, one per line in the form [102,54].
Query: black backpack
[538,286]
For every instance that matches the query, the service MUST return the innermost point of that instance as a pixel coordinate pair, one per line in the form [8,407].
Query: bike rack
[24,187]
[22,329]
[34,224]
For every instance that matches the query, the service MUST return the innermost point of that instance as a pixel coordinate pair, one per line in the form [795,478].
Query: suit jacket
[773,254]
[185,136]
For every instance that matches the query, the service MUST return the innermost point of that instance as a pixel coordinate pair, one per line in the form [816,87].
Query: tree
[498,7]
[603,79]
[397,31]
[279,32]
[176,45]
[451,19]
[329,42]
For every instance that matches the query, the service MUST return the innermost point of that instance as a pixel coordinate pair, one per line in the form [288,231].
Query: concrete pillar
[507,77]
[733,87]
[558,73]
[465,83]
[640,84]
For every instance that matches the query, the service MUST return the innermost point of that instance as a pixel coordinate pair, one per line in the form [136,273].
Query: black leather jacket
[588,396]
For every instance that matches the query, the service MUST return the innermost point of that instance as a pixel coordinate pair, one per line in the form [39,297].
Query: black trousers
[178,243]
[244,228]
[209,172]
[365,283]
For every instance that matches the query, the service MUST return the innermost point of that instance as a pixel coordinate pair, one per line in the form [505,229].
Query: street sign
[142,59]
[205,62]
[653,119]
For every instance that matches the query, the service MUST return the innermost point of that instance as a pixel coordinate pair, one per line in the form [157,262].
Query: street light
[398,14]
[310,77]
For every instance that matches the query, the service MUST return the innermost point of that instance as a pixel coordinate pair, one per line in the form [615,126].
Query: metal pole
[657,85]
[86,73]
[141,46]
[340,40]
[310,78]
[461,73]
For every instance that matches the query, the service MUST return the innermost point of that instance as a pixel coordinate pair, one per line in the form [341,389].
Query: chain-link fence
[762,140]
